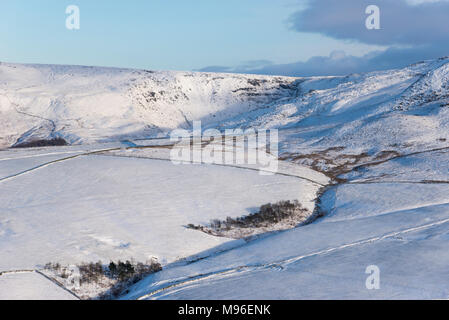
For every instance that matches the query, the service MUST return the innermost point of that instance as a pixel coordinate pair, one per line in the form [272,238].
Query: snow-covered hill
[87,104]
[367,153]
[363,112]
[373,112]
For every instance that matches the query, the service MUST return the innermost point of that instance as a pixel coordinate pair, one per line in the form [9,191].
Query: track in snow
[281,264]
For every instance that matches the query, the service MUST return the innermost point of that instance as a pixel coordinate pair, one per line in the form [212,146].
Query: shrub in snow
[271,217]
[98,281]
[41,143]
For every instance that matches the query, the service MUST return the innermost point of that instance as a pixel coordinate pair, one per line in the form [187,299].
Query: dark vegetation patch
[334,163]
[387,155]
[271,217]
[42,143]
[257,82]
[100,281]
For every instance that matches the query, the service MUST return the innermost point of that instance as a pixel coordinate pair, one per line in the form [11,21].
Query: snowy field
[123,203]
[401,228]
[367,153]
[31,286]
[101,207]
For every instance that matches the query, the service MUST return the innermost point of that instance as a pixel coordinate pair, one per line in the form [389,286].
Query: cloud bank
[401,23]
[412,30]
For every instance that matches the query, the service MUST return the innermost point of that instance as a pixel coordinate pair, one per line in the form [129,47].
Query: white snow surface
[399,109]
[328,259]
[89,104]
[96,207]
[31,286]
[71,204]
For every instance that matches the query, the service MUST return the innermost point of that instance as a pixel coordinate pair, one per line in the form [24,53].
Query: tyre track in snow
[285,262]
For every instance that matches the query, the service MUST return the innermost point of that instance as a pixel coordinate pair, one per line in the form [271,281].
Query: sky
[284,37]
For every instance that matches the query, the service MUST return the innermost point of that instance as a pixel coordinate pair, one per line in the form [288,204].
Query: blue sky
[263,36]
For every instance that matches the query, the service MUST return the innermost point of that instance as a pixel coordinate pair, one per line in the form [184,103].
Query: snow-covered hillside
[389,110]
[88,104]
[395,222]
[374,111]
[366,153]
